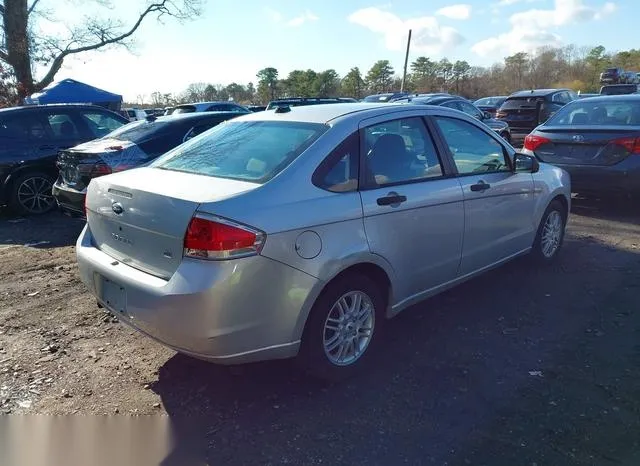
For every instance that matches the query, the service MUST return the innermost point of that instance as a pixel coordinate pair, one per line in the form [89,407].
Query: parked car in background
[619,89]
[597,141]
[30,138]
[257,108]
[524,110]
[582,95]
[614,75]
[302,101]
[135,114]
[490,104]
[168,111]
[207,251]
[127,147]
[385,97]
[221,106]
[462,104]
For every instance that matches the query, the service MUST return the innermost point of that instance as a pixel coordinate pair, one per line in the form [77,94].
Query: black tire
[538,253]
[312,357]
[37,183]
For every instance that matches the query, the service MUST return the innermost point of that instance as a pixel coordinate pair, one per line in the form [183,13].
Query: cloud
[277,17]
[460,11]
[531,29]
[428,35]
[273,15]
[303,18]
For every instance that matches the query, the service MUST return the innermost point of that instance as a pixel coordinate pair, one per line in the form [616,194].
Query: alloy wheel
[34,195]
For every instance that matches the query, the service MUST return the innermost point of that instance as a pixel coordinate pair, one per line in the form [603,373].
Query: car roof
[536,92]
[611,97]
[193,116]
[327,113]
[45,106]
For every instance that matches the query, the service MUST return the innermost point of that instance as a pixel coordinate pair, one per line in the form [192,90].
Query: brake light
[631,144]
[215,238]
[94,170]
[533,141]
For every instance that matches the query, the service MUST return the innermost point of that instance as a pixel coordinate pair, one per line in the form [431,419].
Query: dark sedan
[462,104]
[596,140]
[490,104]
[132,145]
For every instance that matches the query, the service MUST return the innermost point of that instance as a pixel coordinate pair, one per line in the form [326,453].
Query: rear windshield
[184,109]
[611,70]
[618,89]
[243,150]
[597,112]
[378,98]
[521,102]
[140,130]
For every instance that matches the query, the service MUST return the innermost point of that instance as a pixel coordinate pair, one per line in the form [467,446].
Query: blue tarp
[69,91]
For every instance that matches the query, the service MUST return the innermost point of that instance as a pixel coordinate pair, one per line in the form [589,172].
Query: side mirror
[487,116]
[526,163]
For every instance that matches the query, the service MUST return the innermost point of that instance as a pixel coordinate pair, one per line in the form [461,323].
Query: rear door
[521,113]
[413,211]
[498,202]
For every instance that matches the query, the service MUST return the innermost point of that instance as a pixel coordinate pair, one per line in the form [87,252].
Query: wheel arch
[373,266]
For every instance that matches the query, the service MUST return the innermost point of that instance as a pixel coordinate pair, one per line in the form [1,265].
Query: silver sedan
[297,232]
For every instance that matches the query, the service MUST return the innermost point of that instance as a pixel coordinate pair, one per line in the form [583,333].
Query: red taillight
[94,170]
[216,238]
[631,144]
[532,141]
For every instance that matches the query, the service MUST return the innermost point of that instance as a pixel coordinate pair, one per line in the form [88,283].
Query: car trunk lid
[140,217]
[588,146]
[521,112]
[80,164]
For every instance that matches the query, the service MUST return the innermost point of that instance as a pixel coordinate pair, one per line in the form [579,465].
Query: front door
[498,202]
[413,213]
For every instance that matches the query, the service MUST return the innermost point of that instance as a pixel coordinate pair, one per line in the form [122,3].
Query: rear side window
[598,112]
[243,150]
[339,171]
[22,126]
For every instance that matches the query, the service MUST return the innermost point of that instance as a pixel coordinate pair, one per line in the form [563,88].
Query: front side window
[473,150]
[399,151]
[62,126]
[101,123]
[243,150]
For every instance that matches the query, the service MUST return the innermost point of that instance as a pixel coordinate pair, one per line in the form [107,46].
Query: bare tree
[22,44]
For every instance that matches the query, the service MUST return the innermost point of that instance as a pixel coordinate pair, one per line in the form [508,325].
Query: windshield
[490,101]
[598,112]
[619,89]
[243,150]
[137,130]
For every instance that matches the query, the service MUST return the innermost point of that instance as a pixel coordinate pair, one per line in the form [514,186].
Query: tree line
[571,66]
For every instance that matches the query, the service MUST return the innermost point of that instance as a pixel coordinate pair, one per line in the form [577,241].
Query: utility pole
[406,60]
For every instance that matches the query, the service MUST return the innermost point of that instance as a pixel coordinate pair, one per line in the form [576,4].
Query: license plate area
[112,295]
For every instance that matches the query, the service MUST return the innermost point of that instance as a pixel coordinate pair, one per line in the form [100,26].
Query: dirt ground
[521,366]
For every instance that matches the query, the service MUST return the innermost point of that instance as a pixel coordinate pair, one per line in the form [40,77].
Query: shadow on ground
[510,366]
[43,231]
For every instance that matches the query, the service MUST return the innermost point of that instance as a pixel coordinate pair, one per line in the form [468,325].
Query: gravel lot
[521,366]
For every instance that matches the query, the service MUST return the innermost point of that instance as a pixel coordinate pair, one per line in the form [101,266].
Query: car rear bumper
[622,178]
[223,311]
[70,201]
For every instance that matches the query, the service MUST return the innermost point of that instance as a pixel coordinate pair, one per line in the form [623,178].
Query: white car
[135,114]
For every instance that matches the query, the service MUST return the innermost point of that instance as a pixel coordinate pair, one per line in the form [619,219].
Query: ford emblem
[117,208]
